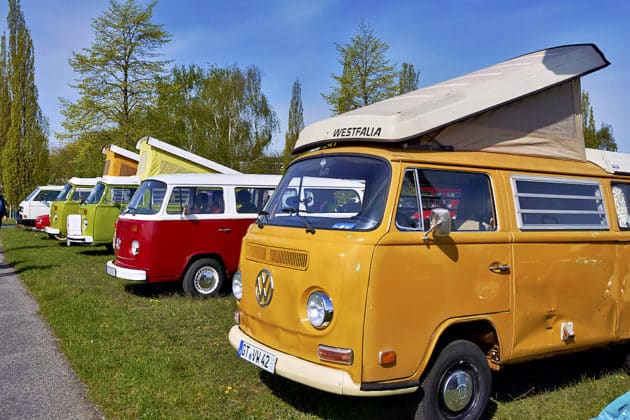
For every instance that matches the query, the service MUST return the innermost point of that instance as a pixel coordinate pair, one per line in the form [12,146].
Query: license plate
[110,270]
[256,356]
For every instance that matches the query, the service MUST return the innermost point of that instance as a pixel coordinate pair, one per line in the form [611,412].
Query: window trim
[558,180]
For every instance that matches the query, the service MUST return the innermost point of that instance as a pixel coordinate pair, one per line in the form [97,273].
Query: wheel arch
[479,331]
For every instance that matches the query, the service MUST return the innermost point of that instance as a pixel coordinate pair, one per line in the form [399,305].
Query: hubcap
[457,390]
[206,280]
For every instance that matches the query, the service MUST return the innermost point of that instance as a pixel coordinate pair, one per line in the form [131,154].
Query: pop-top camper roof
[158,157]
[611,162]
[526,105]
[119,161]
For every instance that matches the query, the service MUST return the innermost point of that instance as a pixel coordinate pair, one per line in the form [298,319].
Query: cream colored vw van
[469,229]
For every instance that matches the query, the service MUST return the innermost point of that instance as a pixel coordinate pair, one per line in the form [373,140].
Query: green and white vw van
[67,202]
[95,220]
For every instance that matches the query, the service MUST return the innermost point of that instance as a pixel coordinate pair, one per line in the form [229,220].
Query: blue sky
[295,39]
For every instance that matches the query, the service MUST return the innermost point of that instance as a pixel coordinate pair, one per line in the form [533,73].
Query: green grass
[149,351]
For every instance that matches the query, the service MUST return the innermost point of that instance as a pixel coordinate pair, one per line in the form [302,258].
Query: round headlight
[135,247]
[319,309]
[237,285]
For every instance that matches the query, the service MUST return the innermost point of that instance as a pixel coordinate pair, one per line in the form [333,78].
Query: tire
[204,278]
[457,385]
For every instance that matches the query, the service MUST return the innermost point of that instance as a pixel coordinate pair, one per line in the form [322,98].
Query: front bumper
[125,273]
[80,239]
[312,374]
[52,231]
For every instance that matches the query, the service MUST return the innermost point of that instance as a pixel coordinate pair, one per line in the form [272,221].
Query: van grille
[277,256]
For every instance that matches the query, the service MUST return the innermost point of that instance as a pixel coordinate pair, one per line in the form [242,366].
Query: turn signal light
[134,228]
[335,355]
[386,357]
[85,212]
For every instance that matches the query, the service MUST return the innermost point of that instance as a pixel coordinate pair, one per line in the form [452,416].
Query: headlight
[237,285]
[319,309]
[85,223]
[135,247]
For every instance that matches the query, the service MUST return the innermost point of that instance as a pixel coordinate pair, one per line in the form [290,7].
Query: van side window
[408,212]
[119,195]
[251,200]
[466,195]
[208,201]
[180,197]
[621,195]
[544,203]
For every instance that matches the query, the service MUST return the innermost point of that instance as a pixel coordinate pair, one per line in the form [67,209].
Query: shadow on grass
[331,406]
[96,252]
[154,290]
[532,378]
[512,383]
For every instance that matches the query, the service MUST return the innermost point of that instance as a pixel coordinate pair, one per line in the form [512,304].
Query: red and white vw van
[188,228]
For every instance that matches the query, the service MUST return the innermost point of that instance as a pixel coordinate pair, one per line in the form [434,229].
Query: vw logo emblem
[264,288]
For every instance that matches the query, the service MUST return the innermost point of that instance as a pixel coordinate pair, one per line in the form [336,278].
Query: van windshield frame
[333,191]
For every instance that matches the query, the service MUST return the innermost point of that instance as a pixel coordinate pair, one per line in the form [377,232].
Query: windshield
[63,195]
[332,192]
[148,198]
[95,194]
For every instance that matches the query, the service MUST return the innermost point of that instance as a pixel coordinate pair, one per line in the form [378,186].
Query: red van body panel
[167,246]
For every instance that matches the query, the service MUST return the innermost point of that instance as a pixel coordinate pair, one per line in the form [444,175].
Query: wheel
[204,278]
[109,247]
[457,385]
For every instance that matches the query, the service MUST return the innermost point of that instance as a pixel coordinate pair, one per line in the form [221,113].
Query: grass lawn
[149,351]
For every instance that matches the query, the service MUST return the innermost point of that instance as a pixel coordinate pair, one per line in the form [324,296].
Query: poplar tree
[367,75]
[603,138]
[5,99]
[25,153]
[408,78]
[295,124]
[117,74]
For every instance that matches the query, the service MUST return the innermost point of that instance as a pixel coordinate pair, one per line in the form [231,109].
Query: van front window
[95,194]
[148,198]
[342,192]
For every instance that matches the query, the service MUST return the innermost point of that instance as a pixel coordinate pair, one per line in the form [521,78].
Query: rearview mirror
[439,223]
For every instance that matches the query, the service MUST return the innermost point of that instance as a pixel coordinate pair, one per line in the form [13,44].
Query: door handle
[225,230]
[499,268]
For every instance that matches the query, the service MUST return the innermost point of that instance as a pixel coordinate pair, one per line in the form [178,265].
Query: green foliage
[117,74]
[367,76]
[408,78]
[218,113]
[5,99]
[296,123]
[25,153]
[603,138]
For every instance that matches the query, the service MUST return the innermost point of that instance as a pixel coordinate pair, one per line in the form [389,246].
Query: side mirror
[185,210]
[440,223]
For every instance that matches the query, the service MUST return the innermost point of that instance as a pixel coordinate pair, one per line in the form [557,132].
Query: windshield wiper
[259,219]
[292,210]
[131,210]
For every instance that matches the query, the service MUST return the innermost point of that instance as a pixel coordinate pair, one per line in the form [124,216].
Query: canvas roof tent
[527,105]
[158,157]
[119,161]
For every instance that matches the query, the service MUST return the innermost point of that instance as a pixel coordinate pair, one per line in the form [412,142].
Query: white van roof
[218,179]
[120,180]
[529,105]
[84,182]
[611,162]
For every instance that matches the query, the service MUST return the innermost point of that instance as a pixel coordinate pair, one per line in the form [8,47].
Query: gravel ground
[36,380]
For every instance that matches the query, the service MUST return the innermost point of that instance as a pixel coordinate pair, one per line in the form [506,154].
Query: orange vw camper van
[484,234]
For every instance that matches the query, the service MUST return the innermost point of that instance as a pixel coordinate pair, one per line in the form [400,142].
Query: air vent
[276,256]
